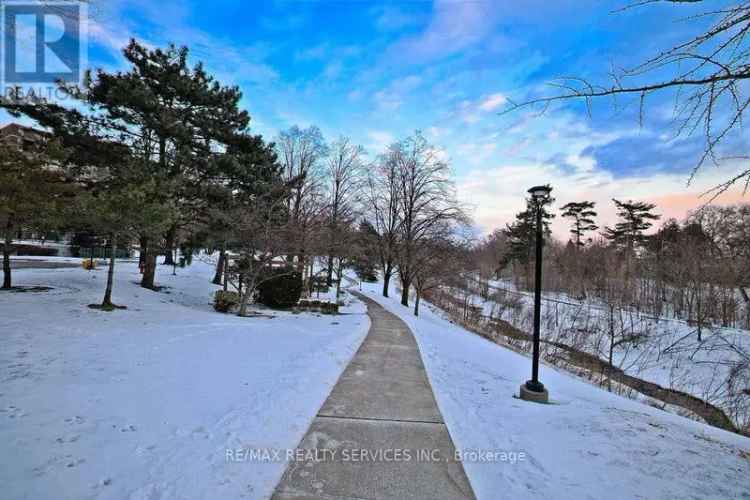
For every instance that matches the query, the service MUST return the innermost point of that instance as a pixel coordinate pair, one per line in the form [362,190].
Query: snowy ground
[588,444]
[667,353]
[143,403]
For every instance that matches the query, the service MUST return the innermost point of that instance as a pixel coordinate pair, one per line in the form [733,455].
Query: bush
[366,271]
[329,308]
[225,301]
[280,288]
[33,250]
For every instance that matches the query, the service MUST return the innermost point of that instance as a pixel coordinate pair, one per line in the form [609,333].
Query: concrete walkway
[382,404]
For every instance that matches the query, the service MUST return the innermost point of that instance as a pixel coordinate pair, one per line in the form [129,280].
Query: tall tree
[628,235]
[120,208]
[246,169]
[383,211]
[521,235]
[582,215]
[426,199]
[301,152]
[33,190]
[635,218]
[174,118]
[343,178]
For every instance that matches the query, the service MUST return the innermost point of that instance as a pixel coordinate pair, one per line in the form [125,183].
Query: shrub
[225,301]
[366,271]
[33,250]
[329,308]
[280,288]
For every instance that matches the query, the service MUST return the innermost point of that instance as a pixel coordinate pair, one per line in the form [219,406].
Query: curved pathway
[380,434]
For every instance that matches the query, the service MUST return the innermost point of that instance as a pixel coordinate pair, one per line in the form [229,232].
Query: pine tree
[582,215]
[521,234]
[366,262]
[33,191]
[174,118]
[635,219]
[119,206]
[242,173]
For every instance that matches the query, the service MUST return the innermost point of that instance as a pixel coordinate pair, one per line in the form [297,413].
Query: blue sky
[378,70]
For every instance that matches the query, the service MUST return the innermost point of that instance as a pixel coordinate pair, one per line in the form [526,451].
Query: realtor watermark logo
[42,42]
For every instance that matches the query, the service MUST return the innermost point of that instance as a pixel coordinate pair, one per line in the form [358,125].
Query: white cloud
[492,102]
[333,70]
[387,101]
[476,154]
[391,18]
[379,140]
[230,62]
[392,97]
[454,27]
[316,52]
[436,132]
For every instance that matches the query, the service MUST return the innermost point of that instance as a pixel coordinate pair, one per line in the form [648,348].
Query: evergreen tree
[582,218]
[521,234]
[242,173]
[33,191]
[175,119]
[635,219]
[120,206]
[366,262]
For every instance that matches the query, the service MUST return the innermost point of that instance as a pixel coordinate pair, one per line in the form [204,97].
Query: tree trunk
[143,243]
[111,272]
[339,276]
[169,247]
[405,293]
[329,276]
[6,260]
[225,273]
[744,294]
[246,297]
[219,267]
[611,343]
[149,267]
[416,303]
[387,272]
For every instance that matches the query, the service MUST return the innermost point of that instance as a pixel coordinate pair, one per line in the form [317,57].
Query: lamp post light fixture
[534,390]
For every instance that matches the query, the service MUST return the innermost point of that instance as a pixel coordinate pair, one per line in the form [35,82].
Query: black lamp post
[533,389]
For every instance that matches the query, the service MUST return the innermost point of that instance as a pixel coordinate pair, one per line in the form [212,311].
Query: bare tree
[343,176]
[264,234]
[705,72]
[300,152]
[382,211]
[439,259]
[426,199]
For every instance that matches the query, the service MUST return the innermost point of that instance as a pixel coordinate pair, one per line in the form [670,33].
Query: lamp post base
[536,396]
